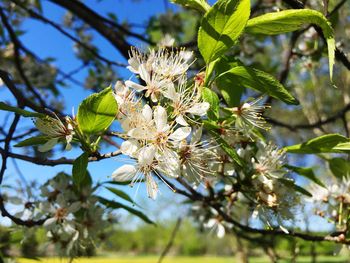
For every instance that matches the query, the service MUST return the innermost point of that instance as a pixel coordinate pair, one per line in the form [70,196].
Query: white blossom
[269,161]
[185,101]
[55,129]
[249,115]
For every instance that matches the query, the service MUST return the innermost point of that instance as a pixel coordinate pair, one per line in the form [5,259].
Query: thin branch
[20,136]
[20,97]
[38,16]
[17,44]
[97,22]
[317,124]
[59,161]
[171,240]
[336,8]
[339,54]
[16,220]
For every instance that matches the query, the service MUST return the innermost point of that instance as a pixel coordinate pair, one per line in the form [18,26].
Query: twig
[59,161]
[37,16]
[317,124]
[171,240]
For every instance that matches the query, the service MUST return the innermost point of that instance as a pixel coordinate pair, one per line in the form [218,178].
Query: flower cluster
[74,220]
[332,201]
[158,117]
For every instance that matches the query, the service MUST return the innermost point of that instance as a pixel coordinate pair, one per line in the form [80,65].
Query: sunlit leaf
[97,112]
[221,27]
[292,20]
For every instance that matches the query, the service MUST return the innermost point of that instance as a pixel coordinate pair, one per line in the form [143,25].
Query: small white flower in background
[216,224]
[319,194]
[61,212]
[166,41]
[185,100]
[341,191]
[55,129]
[269,161]
[249,115]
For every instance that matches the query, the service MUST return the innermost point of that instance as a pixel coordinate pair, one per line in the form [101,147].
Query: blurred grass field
[154,259]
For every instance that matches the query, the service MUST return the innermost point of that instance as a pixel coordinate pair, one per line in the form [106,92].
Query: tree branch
[318,124]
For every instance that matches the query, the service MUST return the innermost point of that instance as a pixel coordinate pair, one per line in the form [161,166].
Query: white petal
[126,124]
[169,163]
[134,65]
[181,120]
[134,85]
[146,155]
[170,93]
[48,145]
[49,223]
[197,135]
[119,87]
[68,147]
[160,118]
[212,222]
[130,147]
[152,187]
[180,134]
[124,173]
[199,109]
[186,55]
[142,133]
[154,97]
[147,113]
[144,73]
[221,231]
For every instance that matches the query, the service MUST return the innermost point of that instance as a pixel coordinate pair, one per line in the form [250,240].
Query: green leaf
[97,112]
[120,183]
[117,205]
[306,172]
[323,144]
[212,98]
[291,183]
[24,113]
[200,5]
[36,140]
[121,194]
[231,92]
[339,167]
[79,170]
[342,147]
[228,149]
[221,27]
[209,71]
[242,76]
[291,20]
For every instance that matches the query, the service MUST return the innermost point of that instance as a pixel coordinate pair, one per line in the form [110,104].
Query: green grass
[154,259]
